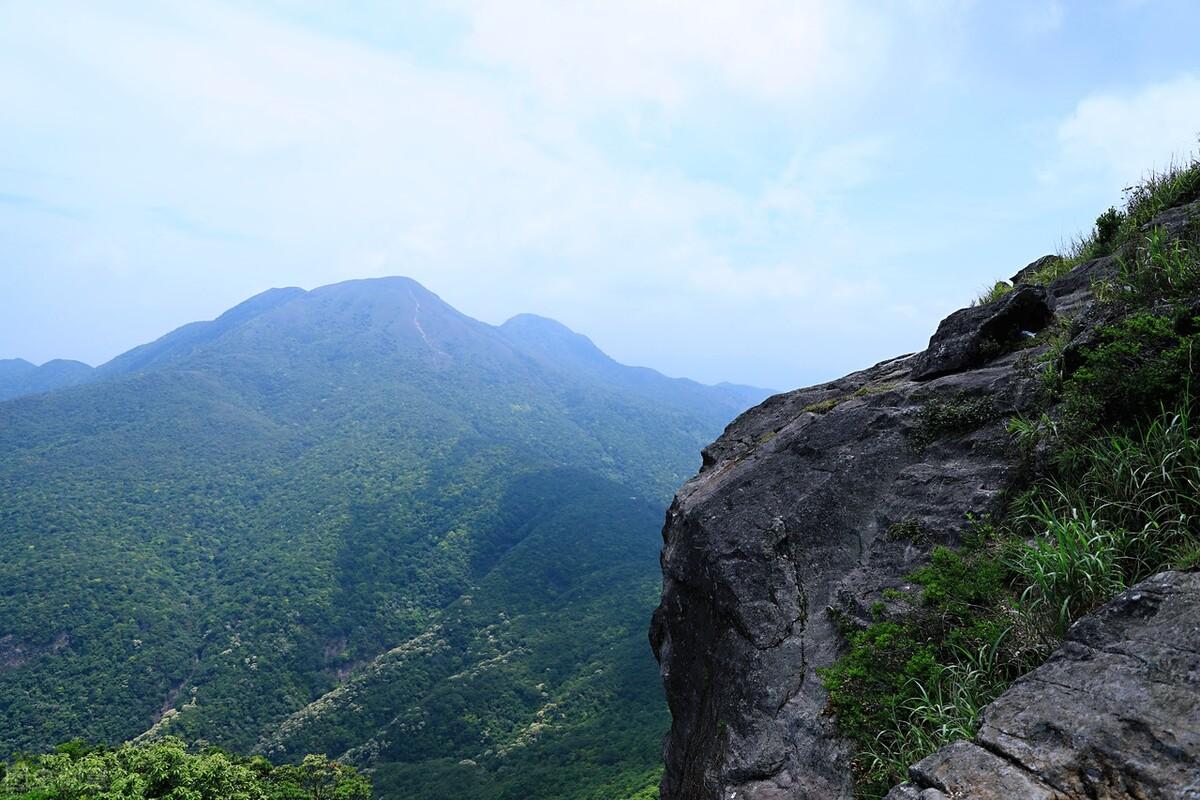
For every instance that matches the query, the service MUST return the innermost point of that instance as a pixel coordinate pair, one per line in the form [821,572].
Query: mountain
[565,349]
[350,520]
[19,377]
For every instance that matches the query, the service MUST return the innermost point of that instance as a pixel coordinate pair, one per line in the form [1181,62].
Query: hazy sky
[761,191]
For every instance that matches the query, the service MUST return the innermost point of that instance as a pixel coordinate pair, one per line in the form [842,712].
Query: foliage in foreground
[1119,502]
[166,769]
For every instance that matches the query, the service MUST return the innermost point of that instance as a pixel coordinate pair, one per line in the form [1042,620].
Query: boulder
[974,335]
[784,534]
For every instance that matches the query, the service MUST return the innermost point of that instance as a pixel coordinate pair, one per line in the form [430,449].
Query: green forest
[422,545]
[166,769]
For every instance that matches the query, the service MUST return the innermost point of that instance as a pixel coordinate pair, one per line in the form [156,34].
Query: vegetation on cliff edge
[1116,499]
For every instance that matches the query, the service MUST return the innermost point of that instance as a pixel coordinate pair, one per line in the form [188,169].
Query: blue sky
[760,191]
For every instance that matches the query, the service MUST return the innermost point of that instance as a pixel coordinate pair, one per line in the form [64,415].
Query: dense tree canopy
[349,521]
[166,770]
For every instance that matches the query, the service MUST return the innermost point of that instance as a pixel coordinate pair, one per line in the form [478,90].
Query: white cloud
[666,52]
[481,177]
[1121,135]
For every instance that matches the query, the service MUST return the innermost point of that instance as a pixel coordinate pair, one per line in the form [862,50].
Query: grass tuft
[992,293]
[939,419]
[826,405]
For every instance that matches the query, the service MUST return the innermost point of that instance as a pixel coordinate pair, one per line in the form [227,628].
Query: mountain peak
[538,322]
[381,282]
[385,295]
[20,377]
[550,338]
[14,365]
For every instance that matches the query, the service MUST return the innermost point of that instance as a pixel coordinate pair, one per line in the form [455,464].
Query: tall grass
[1131,509]
[992,293]
[939,711]
[1162,269]
[1069,568]
[1158,191]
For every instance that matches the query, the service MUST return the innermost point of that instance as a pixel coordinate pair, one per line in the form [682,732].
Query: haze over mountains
[539,336]
[349,520]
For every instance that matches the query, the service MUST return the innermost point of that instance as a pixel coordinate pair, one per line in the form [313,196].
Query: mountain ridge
[536,335]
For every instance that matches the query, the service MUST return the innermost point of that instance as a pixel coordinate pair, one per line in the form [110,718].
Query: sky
[772,192]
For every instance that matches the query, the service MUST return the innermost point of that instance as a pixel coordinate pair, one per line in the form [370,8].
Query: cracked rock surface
[1114,713]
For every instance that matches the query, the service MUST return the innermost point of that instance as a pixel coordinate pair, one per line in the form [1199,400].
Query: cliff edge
[814,504]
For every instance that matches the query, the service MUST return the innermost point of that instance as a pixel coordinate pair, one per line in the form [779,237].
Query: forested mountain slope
[352,491]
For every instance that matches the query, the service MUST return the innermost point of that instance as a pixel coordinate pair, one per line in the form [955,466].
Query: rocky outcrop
[1114,713]
[795,513]
[969,337]
[805,510]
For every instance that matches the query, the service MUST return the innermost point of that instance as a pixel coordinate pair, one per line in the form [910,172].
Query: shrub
[939,418]
[869,689]
[167,769]
[1139,364]
[906,687]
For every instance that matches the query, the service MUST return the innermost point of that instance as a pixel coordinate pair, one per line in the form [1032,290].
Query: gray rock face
[789,517]
[1175,222]
[1114,713]
[805,510]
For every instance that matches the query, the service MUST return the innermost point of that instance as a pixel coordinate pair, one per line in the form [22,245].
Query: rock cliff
[812,504]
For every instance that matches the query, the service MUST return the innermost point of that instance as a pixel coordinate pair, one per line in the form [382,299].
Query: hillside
[899,568]
[221,533]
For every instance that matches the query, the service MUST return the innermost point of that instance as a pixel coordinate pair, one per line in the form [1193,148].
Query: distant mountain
[350,520]
[19,377]
[558,345]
